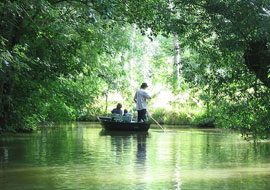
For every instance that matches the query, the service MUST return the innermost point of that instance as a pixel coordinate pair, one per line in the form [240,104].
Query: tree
[48,48]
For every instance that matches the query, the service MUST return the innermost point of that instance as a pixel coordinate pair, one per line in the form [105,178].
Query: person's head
[119,106]
[144,85]
[125,111]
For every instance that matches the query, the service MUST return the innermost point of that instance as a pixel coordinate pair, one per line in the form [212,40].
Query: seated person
[126,113]
[118,110]
[126,117]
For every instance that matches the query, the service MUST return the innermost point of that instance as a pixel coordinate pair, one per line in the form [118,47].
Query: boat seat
[116,117]
[126,119]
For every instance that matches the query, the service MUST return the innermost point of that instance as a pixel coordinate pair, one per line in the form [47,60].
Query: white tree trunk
[177,60]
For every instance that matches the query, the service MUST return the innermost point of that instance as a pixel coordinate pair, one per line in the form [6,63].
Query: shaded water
[82,156]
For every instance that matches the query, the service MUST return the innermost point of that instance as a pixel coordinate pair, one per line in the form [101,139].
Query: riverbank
[184,115]
[165,117]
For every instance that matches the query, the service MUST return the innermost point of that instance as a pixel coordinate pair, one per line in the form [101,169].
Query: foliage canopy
[59,56]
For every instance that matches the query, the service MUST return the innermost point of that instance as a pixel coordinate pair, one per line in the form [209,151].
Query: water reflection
[124,142]
[3,156]
[141,149]
[82,156]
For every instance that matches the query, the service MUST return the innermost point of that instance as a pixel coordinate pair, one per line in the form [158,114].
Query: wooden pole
[156,121]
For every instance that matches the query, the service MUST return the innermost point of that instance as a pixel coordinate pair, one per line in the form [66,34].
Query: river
[82,156]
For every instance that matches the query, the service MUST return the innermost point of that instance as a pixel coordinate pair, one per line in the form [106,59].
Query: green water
[82,156]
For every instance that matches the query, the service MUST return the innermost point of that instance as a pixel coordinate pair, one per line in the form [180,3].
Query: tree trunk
[257,59]
[106,108]
[106,100]
[1,105]
[177,60]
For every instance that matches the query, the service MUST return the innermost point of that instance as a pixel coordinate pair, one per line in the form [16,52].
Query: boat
[108,124]
[105,132]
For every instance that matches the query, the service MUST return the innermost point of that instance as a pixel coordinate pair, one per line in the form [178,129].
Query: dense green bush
[250,117]
[169,117]
[203,120]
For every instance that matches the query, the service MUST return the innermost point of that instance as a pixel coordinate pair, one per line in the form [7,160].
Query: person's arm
[135,97]
[146,95]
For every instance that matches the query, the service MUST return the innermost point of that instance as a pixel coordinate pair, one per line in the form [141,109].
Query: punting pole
[156,121]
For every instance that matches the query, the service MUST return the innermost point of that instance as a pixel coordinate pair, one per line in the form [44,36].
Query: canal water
[82,156]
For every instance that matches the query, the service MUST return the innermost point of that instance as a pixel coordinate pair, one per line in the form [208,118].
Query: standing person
[141,104]
[118,110]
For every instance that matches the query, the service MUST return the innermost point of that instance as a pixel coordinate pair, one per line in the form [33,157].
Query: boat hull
[121,126]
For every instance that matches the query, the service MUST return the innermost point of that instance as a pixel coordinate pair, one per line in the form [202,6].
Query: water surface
[83,156]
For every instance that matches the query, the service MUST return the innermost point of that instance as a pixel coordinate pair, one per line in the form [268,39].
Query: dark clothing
[117,111]
[142,115]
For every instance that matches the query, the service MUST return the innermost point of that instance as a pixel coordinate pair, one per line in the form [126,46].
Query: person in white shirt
[141,104]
